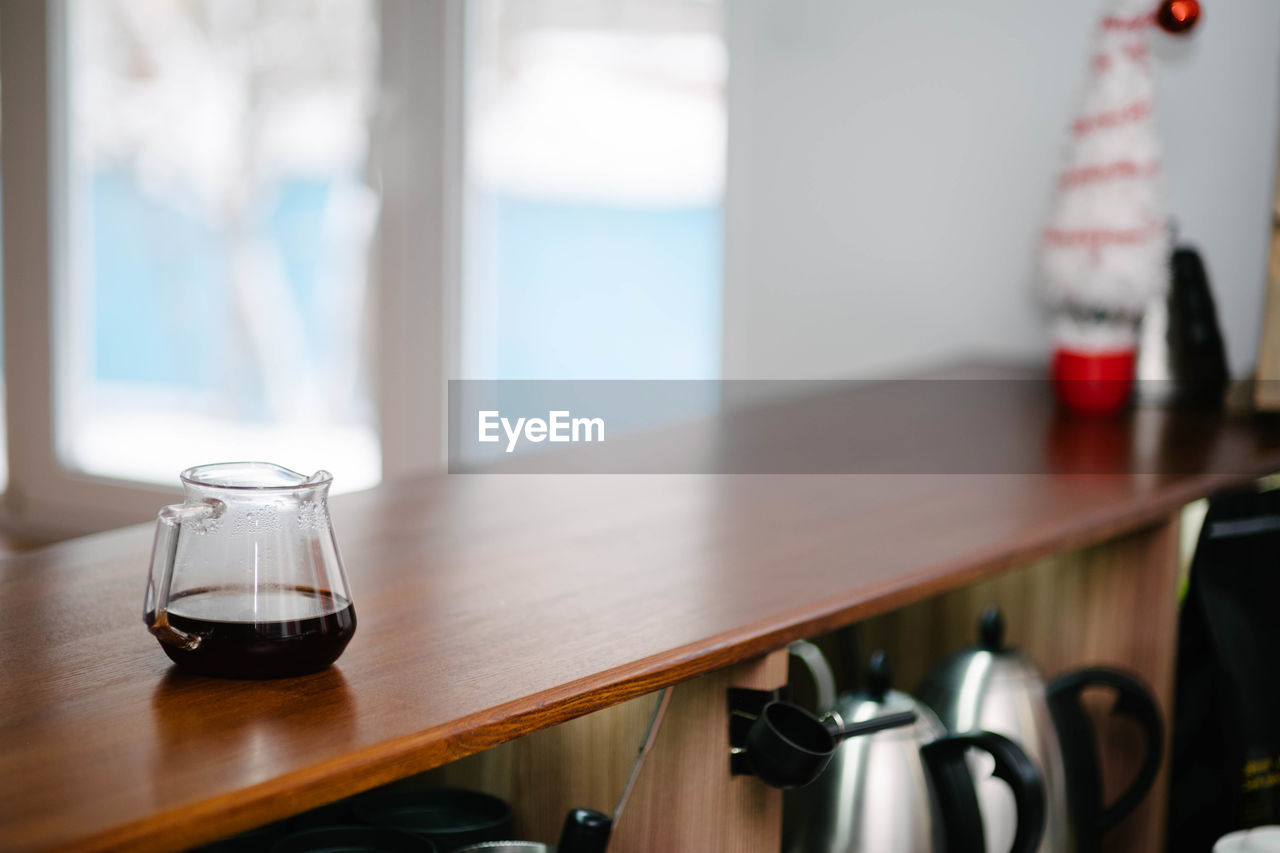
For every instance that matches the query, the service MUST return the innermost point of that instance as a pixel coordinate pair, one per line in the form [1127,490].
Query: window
[218,230]
[191,197]
[594,164]
[274,228]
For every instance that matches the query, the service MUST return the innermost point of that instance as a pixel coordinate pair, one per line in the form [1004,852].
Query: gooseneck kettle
[907,789]
[994,687]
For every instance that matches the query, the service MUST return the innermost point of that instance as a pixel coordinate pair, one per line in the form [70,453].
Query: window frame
[417,139]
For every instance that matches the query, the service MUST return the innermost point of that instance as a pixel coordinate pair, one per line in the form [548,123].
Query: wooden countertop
[494,605]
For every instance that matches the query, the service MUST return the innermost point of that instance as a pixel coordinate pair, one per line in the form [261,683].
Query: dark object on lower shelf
[332,814]
[449,817]
[258,840]
[352,839]
[1226,730]
[585,831]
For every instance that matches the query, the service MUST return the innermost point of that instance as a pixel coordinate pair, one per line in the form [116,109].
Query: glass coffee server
[246,579]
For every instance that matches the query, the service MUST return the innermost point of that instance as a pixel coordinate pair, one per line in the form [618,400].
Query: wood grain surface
[685,797]
[491,606]
[583,763]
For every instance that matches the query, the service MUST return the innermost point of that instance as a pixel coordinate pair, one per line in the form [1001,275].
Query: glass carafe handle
[163,553]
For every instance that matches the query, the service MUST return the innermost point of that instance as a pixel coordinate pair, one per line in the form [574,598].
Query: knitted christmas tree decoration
[1106,248]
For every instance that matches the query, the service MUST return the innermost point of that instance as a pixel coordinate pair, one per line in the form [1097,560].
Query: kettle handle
[164,553]
[1080,753]
[958,801]
[824,680]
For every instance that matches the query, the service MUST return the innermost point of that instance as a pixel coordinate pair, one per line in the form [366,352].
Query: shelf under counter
[491,606]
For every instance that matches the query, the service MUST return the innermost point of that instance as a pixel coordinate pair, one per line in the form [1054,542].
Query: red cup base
[1093,383]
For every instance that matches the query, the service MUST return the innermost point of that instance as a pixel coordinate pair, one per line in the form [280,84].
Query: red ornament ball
[1178,16]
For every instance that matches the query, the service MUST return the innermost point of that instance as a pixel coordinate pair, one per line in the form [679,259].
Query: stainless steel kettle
[995,688]
[906,789]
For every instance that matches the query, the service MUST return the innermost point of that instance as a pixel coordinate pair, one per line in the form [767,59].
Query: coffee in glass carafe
[246,579]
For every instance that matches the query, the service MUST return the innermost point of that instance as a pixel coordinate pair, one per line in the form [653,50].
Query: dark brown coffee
[267,632]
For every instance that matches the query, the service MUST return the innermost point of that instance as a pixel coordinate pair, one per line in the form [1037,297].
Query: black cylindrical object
[585,831]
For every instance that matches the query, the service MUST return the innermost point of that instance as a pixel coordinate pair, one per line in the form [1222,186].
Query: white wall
[891,165]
